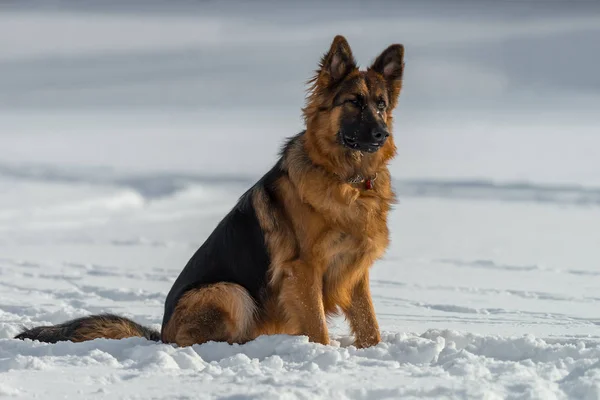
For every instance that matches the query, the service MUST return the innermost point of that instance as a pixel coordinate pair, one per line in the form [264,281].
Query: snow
[434,364]
[127,132]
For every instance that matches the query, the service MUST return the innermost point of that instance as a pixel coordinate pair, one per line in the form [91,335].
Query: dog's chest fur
[343,240]
[353,247]
[334,228]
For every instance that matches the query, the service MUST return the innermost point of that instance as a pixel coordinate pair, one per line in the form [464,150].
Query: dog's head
[349,111]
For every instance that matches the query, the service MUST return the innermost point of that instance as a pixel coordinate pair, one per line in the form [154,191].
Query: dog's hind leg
[221,312]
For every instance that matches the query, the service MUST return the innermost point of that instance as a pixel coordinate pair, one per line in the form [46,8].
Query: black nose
[379,135]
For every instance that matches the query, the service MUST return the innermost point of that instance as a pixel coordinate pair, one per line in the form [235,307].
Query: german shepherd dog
[298,245]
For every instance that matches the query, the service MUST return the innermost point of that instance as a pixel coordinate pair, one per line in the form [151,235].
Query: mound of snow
[435,364]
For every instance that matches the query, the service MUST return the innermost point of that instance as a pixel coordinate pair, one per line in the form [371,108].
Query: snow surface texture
[126,133]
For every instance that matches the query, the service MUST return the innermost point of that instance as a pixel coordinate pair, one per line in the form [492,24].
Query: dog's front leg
[302,299]
[361,315]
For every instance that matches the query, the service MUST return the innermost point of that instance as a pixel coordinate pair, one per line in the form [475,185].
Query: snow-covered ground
[126,133]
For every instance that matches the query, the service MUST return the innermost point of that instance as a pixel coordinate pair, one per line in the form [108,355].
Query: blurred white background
[494,90]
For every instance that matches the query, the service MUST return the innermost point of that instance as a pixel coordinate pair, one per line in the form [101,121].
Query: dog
[299,244]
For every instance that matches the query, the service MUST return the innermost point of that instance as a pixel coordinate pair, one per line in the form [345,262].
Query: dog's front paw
[369,341]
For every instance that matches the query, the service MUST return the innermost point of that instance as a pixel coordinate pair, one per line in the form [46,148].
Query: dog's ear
[390,64]
[338,62]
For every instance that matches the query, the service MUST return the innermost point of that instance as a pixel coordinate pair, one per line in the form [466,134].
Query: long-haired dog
[299,244]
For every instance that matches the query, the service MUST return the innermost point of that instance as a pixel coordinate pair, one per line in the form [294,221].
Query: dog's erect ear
[338,62]
[390,64]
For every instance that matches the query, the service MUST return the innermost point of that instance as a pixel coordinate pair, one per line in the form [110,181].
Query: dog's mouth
[354,144]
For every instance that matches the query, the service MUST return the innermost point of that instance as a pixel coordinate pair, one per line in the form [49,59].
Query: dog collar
[360,179]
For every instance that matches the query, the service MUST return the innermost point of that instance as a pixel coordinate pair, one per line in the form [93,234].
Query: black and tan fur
[299,244]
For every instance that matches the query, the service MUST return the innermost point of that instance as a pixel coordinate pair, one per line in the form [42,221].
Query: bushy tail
[88,328]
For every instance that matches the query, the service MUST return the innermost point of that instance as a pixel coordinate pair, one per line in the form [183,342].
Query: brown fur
[337,229]
[219,312]
[325,235]
[88,328]
[101,328]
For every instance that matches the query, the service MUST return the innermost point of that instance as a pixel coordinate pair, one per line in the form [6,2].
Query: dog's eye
[355,102]
[381,105]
